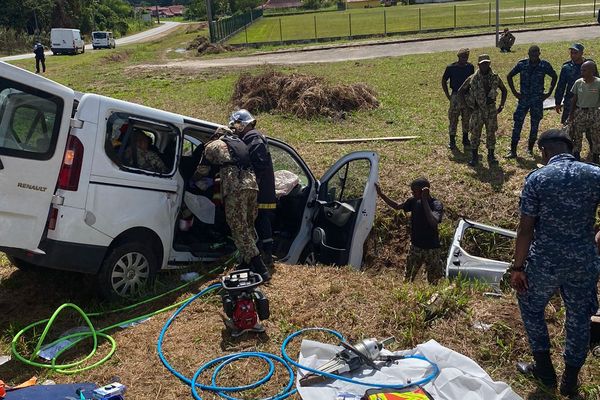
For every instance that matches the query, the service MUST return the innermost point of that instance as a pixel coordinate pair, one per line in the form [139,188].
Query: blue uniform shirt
[569,73]
[563,197]
[532,76]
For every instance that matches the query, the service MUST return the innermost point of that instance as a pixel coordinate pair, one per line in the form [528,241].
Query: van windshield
[29,121]
[99,35]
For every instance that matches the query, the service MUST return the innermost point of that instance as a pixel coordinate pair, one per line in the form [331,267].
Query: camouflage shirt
[233,179]
[146,160]
[563,197]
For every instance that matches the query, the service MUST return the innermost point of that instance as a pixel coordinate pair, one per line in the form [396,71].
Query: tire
[127,271]
[308,256]
[22,264]
[83,49]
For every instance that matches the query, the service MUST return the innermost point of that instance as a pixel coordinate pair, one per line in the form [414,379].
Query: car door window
[188,148]
[140,145]
[283,161]
[348,183]
[29,121]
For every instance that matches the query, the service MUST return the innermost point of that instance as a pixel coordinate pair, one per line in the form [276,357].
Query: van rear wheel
[127,271]
[23,265]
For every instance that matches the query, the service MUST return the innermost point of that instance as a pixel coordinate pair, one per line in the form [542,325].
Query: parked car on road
[72,200]
[103,40]
[66,41]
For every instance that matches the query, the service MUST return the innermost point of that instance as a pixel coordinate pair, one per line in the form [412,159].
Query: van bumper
[64,256]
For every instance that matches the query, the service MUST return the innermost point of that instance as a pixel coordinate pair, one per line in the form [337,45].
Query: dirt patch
[203,46]
[304,96]
[120,56]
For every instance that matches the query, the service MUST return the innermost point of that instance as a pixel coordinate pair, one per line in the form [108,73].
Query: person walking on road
[555,252]
[480,91]
[40,57]
[532,72]
[457,73]
[506,41]
[243,124]
[585,116]
[425,215]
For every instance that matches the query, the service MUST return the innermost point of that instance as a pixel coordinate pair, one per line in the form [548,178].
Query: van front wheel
[127,271]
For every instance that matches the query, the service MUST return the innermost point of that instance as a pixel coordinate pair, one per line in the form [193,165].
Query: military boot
[474,157]
[267,254]
[513,151]
[569,384]
[258,266]
[530,147]
[452,142]
[491,157]
[465,140]
[541,369]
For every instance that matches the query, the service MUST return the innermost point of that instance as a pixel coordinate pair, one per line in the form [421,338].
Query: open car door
[35,115]
[345,209]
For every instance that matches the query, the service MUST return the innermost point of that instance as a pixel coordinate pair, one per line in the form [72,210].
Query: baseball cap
[577,46]
[552,135]
[464,50]
[483,58]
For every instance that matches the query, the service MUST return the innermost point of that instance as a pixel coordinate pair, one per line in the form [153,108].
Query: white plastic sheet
[459,377]
[201,207]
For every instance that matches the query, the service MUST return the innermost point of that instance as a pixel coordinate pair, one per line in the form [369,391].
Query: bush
[13,42]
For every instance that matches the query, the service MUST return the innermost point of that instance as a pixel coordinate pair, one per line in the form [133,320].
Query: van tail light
[52,218]
[68,178]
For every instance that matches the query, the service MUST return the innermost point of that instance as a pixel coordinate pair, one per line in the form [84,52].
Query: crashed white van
[69,200]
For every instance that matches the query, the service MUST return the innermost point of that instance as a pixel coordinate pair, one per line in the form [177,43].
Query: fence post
[490,14]
[524,11]
[316,37]
[350,24]
[594,13]
[455,16]
[246,32]
[420,26]
[385,22]
[559,7]
[280,32]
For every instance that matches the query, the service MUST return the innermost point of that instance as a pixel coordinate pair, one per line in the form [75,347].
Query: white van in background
[103,39]
[66,41]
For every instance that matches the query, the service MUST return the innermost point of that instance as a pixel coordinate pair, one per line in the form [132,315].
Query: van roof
[101,32]
[64,29]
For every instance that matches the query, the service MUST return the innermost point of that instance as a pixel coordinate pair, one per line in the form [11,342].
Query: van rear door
[35,115]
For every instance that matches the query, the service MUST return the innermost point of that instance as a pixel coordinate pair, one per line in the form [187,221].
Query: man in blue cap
[555,251]
[569,73]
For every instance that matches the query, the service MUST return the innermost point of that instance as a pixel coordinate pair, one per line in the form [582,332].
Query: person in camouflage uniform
[239,193]
[532,72]
[585,116]
[425,215]
[506,41]
[555,252]
[143,157]
[480,91]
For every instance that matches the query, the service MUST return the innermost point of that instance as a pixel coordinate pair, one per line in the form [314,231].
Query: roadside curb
[399,41]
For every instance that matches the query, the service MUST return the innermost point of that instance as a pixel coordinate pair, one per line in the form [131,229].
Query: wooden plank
[358,140]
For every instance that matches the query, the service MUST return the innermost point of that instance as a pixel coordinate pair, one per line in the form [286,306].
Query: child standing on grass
[425,216]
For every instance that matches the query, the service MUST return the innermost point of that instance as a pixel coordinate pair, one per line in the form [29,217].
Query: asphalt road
[387,49]
[144,36]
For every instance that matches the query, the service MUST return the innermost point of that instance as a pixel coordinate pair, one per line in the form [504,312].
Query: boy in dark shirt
[425,216]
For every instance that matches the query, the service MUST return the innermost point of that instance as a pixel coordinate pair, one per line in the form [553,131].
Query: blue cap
[577,46]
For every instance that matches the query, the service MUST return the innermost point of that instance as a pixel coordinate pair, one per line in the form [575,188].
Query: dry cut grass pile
[301,95]
[203,46]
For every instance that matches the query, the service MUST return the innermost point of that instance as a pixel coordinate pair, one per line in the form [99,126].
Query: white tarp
[201,207]
[459,377]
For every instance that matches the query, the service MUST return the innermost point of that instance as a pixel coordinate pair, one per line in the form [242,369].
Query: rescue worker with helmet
[238,191]
[243,124]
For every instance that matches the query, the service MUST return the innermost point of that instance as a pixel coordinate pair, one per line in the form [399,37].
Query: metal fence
[224,28]
[404,19]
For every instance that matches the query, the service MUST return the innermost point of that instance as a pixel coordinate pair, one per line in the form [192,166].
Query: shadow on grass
[493,174]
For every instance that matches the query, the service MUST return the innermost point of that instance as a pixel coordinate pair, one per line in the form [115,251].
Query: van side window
[140,145]
[29,121]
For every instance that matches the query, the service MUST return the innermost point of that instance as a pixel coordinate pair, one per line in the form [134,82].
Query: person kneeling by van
[239,193]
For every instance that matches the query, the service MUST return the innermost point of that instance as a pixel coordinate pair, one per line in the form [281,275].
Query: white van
[103,39]
[70,200]
[66,41]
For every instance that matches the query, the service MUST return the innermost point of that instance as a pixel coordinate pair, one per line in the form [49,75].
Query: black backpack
[238,151]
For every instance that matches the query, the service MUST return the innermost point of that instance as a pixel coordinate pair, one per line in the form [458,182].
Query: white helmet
[241,118]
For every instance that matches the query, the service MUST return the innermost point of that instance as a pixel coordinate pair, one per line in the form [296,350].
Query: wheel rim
[311,258]
[130,274]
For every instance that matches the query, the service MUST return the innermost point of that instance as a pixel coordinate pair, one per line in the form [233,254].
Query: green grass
[412,103]
[412,18]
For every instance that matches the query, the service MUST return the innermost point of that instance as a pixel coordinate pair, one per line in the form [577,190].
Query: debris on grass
[117,56]
[304,96]
[203,46]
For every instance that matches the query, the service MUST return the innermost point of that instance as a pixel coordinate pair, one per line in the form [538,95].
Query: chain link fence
[224,28]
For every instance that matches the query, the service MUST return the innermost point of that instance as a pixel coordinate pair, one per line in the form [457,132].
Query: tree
[196,10]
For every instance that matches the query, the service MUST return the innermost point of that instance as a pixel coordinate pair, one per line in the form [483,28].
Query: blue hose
[270,359]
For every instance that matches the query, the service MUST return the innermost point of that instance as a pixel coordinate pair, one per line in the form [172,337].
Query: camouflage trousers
[488,117]
[432,260]
[456,110]
[581,303]
[586,120]
[240,213]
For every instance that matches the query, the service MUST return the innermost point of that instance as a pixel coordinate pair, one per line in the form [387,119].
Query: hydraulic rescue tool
[351,358]
[243,303]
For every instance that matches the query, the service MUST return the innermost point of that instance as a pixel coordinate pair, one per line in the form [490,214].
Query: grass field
[412,18]
[360,304]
